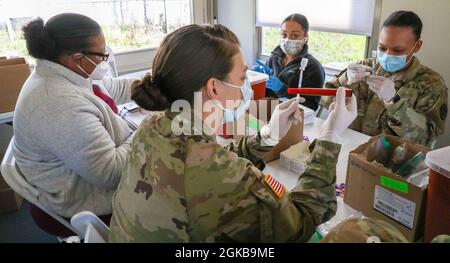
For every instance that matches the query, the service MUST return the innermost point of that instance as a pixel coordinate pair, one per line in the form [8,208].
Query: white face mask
[230,115]
[99,72]
[292,47]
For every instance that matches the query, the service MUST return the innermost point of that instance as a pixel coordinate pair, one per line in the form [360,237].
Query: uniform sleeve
[250,148]
[119,89]
[423,122]
[238,203]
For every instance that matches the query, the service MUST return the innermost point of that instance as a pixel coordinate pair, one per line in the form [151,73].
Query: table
[6,117]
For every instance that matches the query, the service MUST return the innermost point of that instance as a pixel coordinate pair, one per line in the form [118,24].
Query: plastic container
[258,82]
[437,217]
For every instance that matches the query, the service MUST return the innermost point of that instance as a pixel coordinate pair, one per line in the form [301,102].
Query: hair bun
[148,95]
[39,43]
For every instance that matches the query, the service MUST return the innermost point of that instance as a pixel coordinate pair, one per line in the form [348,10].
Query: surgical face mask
[230,115]
[392,63]
[99,71]
[292,47]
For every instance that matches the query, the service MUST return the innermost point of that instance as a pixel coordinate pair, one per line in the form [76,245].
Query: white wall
[239,16]
[435,15]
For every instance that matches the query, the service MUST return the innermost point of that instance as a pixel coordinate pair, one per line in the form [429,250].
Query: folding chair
[91,227]
[14,178]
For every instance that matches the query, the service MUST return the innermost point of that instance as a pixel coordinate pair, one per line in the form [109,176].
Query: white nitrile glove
[340,117]
[280,122]
[355,72]
[383,87]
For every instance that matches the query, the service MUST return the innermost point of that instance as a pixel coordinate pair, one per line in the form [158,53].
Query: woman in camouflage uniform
[184,187]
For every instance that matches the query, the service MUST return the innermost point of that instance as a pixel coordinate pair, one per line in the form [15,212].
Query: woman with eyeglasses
[70,143]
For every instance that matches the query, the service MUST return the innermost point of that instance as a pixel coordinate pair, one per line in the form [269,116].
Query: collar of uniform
[195,125]
[406,75]
[47,67]
[279,52]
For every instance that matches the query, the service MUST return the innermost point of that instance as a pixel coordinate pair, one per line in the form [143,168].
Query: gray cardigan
[68,142]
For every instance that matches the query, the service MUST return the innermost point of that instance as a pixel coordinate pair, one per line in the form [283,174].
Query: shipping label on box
[394,206]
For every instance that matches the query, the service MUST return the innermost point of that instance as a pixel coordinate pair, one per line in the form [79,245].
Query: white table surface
[6,117]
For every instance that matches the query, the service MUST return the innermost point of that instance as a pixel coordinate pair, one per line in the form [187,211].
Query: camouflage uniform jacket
[187,188]
[419,110]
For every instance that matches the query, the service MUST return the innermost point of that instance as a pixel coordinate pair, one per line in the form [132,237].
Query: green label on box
[253,123]
[394,184]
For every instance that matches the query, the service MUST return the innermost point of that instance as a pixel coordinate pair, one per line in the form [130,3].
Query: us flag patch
[276,187]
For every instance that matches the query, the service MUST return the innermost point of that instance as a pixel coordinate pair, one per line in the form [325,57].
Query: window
[339,30]
[333,50]
[127,24]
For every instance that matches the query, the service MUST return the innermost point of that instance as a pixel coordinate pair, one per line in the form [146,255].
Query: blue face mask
[391,63]
[230,115]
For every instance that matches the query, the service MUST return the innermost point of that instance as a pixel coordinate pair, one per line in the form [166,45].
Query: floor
[19,227]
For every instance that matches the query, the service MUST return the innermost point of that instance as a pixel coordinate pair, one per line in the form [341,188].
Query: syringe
[303,65]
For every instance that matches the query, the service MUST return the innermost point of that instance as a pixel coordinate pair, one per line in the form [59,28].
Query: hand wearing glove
[340,117]
[355,72]
[282,118]
[383,87]
[274,84]
[262,68]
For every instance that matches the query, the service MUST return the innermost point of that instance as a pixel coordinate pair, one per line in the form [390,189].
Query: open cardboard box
[377,192]
[13,74]
[263,110]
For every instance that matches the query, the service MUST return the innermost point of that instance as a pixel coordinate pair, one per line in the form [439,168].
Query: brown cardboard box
[13,73]
[9,200]
[264,109]
[378,193]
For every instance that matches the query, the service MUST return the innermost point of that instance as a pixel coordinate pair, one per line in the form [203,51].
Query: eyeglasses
[103,56]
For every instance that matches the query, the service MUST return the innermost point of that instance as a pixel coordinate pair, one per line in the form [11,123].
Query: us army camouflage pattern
[419,111]
[441,239]
[190,189]
[356,230]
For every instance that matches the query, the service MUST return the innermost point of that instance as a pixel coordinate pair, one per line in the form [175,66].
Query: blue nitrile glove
[274,84]
[262,68]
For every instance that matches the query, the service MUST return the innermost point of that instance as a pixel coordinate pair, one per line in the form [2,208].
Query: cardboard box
[13,74]
[9,201]
[377,192]
[264,109]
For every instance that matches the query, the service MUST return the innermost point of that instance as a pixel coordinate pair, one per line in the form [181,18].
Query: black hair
[405,19]
[185,61]
[62,34]
[300,19]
